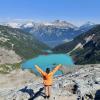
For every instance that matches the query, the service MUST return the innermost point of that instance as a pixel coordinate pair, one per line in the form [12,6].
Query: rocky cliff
[80,83]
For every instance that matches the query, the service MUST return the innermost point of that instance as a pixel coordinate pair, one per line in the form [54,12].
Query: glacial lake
[50,60]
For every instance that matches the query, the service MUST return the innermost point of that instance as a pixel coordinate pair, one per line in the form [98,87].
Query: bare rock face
[8,56]
[80,84]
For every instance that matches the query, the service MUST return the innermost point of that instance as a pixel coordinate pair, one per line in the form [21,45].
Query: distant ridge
[51,33]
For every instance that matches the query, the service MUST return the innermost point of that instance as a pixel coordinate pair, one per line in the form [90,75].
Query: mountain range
[52,33]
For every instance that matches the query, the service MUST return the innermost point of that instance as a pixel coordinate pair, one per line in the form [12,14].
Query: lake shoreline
[50,60]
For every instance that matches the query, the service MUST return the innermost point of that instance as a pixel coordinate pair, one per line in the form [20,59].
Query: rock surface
[9,56]
[82,83]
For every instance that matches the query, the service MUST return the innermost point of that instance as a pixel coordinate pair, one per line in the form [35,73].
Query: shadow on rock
[38,93]
[97,95]
[26,90]
[32,94]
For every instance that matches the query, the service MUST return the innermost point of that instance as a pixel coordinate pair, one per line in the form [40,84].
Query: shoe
[45,97]
[48,97]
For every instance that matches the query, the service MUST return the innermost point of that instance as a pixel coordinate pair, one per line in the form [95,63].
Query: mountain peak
[13,24]
[63,23]
[28,24]
[88,24]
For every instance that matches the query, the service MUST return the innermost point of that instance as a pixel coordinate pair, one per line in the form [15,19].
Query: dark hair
[47,70]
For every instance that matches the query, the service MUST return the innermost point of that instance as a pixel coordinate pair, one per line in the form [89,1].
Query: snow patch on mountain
[47,23]
[30,24]
[66,40]
[13,24]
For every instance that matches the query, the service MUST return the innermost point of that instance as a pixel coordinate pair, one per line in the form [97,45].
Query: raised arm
[39,70]
[56,68]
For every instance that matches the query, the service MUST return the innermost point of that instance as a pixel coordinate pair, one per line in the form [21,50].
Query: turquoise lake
[50,60]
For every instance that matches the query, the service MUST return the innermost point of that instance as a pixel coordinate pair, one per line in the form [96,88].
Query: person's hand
[60,67]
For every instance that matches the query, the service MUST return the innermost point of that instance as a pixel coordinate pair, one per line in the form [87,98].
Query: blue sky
[75,11]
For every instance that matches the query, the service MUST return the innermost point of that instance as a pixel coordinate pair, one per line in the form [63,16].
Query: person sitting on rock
[47,78]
